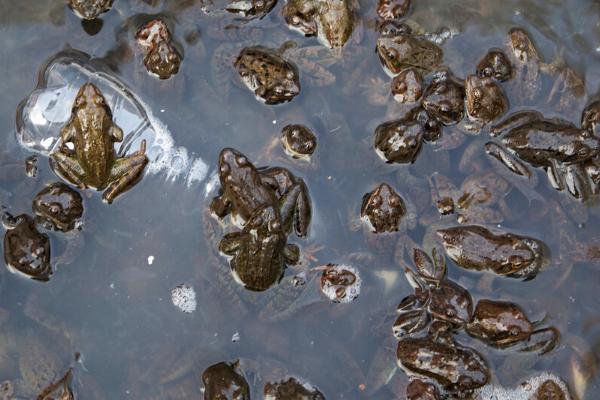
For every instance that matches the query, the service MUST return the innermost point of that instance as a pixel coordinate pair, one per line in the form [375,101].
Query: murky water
[109,299]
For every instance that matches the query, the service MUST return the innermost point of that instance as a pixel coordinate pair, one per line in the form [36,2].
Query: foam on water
[42,114]
[525,391]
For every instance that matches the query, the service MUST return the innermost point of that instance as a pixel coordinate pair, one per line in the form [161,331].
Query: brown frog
[91,161]
[245,189]
[298,141]
[267,74]
[161,59]
[444,98]
[550,390]
[557,146]
[419,390]
[58,206]
[260,252]
[485,100]
[251,9]
[495,65]
[399,141]
[383,209]
[435,297]
[458,369]
[503,324]
[398,49]
[526,63]
[90,9]
[26,250]
[477,248]
[291,389]
[225,381]
[331,21]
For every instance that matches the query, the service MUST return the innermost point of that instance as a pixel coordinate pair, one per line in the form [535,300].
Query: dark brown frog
[485,100]
[291,389]
[407,86]
[26,250]
[161,59]
[495,65]
[298,141]
[58,206]
[383,208]
[444,98]
[477,248]
[399,141]
[225,381]
[392,9]
[90,9]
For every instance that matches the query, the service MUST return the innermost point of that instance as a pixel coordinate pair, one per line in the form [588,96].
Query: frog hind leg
[68,168]
[125,173]
[296,209]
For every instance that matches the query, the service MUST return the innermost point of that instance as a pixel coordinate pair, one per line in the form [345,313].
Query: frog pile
[260,207]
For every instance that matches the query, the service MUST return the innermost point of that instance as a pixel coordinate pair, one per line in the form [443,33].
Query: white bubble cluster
[184,298]
[525,391]
[340,283]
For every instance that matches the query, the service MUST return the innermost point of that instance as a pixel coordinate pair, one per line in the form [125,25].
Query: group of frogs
[269,203]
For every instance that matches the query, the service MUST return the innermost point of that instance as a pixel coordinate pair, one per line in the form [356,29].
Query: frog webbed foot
[514,120]
[541,341]
[126,172]
[511,162]
[68,168]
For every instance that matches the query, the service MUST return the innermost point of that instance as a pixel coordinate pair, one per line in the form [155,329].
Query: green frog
[90,9]
[92,160]
[332,21]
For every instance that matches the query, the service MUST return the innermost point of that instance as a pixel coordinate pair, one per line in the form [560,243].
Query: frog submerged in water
[58,206]
[557,146]
[332,21]
[383,208]
[90,9]
[475,247]
[267,74]
[93,161]
[485,101]
[291,389]
[502,324]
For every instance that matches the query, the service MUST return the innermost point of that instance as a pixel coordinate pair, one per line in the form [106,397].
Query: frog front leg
[68,168]
[125,173]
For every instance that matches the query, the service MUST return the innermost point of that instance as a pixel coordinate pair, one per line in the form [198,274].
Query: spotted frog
[267,74]
[332,21]
[503,324]
[298,141]
[485,100]
[225,381]
[92,160]
[161,59]
[58,206]
[26,250]
[90,9]
[477,248]
[383,208]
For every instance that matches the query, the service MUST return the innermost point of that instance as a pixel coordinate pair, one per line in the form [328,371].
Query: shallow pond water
[109,299]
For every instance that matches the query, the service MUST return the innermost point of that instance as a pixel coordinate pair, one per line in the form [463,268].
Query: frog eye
[241,160]
[391,54]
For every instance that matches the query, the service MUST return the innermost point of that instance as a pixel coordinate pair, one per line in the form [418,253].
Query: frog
[161,58]
[550,390]
[291,389]
[93,161]
[264,71]
[59,390]
[225,381]
[407,86]
[458,369]
[251,9]
[331,21]
[444,98]
[435,298]
[399,49]
[260,252]
[26,250]
[299,141]
[245,189]
[90,9]
[383,209]
[340,283]
[392,9]
[485,101]
[475,247]
[495,65]
[503,324]
[417,389]
[58,206]
[527,64]
[555,145]
[399,141]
